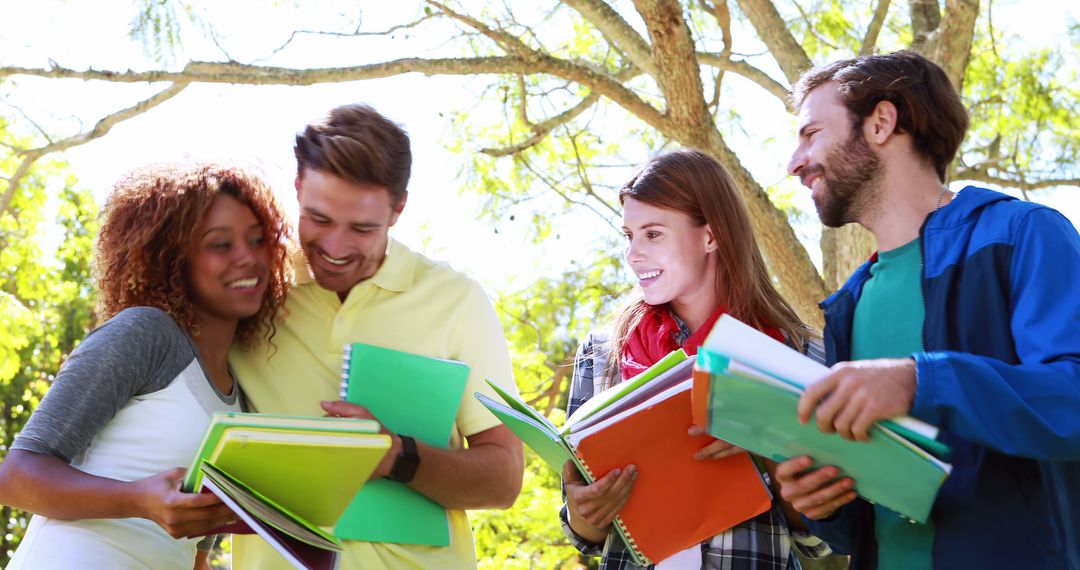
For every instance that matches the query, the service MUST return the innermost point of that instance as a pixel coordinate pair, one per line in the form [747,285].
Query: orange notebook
[699,399]
[677,501]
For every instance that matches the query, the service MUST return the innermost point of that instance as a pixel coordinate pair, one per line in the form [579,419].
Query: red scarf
[654,338]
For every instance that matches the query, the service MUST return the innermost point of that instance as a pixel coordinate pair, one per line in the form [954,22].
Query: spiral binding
[642,560]
[345,361]
[628,539]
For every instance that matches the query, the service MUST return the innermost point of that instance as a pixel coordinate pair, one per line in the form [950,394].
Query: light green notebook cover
[312,474]
[222,421]
[761,417]
[613,394]
[544,439]
[411,395]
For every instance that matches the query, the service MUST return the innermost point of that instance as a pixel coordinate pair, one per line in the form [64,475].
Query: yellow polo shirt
[411,304]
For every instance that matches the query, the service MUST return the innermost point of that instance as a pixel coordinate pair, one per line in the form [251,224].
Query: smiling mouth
[649,274]
[810,177]
[248,283]
[333,260]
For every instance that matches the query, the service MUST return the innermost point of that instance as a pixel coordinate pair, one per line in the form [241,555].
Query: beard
[850,183]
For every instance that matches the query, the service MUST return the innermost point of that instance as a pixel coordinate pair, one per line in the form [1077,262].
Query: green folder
[540,435]
[757,412]
[311,473]
[412,395]
[220,422]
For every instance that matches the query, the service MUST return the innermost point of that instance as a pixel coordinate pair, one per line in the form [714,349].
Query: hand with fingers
[181,514]
[716,449]
[856,394]
[593,507]
[816,493]
[343,409]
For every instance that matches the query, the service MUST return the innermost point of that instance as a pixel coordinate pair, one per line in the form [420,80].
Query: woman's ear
[710,240]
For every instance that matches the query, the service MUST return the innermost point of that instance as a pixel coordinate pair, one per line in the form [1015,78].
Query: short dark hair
[354,142]
[927,104]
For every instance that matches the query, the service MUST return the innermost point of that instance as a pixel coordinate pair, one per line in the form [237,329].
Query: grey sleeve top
[138,351]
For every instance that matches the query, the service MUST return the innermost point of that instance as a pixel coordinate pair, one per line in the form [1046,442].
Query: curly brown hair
[144,243]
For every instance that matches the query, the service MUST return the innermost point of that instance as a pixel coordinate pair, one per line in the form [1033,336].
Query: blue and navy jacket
[999,375]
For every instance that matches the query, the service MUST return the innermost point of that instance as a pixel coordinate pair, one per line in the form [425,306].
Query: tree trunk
[786,257]
[952,47]
[842,251]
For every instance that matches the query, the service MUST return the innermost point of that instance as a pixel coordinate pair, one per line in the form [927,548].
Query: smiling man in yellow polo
[356,284]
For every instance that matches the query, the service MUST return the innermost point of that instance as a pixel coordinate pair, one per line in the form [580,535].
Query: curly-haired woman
[189,260]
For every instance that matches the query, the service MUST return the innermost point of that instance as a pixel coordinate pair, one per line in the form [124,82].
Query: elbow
[509,488]
[9,476]
[508,494]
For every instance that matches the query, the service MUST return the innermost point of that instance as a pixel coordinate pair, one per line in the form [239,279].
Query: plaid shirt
[763,542]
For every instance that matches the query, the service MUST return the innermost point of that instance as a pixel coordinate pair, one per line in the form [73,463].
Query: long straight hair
[694,183]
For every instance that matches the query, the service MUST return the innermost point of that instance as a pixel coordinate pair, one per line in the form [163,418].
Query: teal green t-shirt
[888,323]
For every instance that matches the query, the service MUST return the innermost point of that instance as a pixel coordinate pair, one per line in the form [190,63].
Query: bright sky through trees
[255,124]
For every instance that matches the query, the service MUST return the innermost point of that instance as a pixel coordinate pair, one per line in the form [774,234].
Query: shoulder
[139,338]
[1026,226]
[1000,214]
[592,355]
[596,343]
[426,270]
[142,326]
[453,286]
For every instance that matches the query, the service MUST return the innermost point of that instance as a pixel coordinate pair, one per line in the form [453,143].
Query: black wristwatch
[407,461]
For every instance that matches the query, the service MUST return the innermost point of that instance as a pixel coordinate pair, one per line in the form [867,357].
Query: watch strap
[407,462]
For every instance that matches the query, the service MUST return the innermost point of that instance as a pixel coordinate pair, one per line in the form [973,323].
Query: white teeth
[244,283]
[333,260]
[649,275]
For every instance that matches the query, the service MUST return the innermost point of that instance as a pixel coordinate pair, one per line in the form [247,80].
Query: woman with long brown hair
[691,246]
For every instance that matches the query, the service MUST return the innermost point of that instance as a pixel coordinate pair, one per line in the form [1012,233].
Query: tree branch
[30,156]
[541,129]
[510,43]
[748,71]
[554,186]
[925,19]
[617,32]
[583,176]
[723,18]
[870,39]
[773,30]
[238,73]
[353,34]
[680,83]
[810,28]
[979,174]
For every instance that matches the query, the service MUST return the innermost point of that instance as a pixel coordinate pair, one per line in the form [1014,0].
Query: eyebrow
[802,130]
[647,226]
[356,225]
[228,228]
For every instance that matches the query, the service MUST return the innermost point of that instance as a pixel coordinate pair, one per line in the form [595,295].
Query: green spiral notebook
[413,395]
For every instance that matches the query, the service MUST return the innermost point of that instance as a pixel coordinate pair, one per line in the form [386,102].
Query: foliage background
[532,168]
